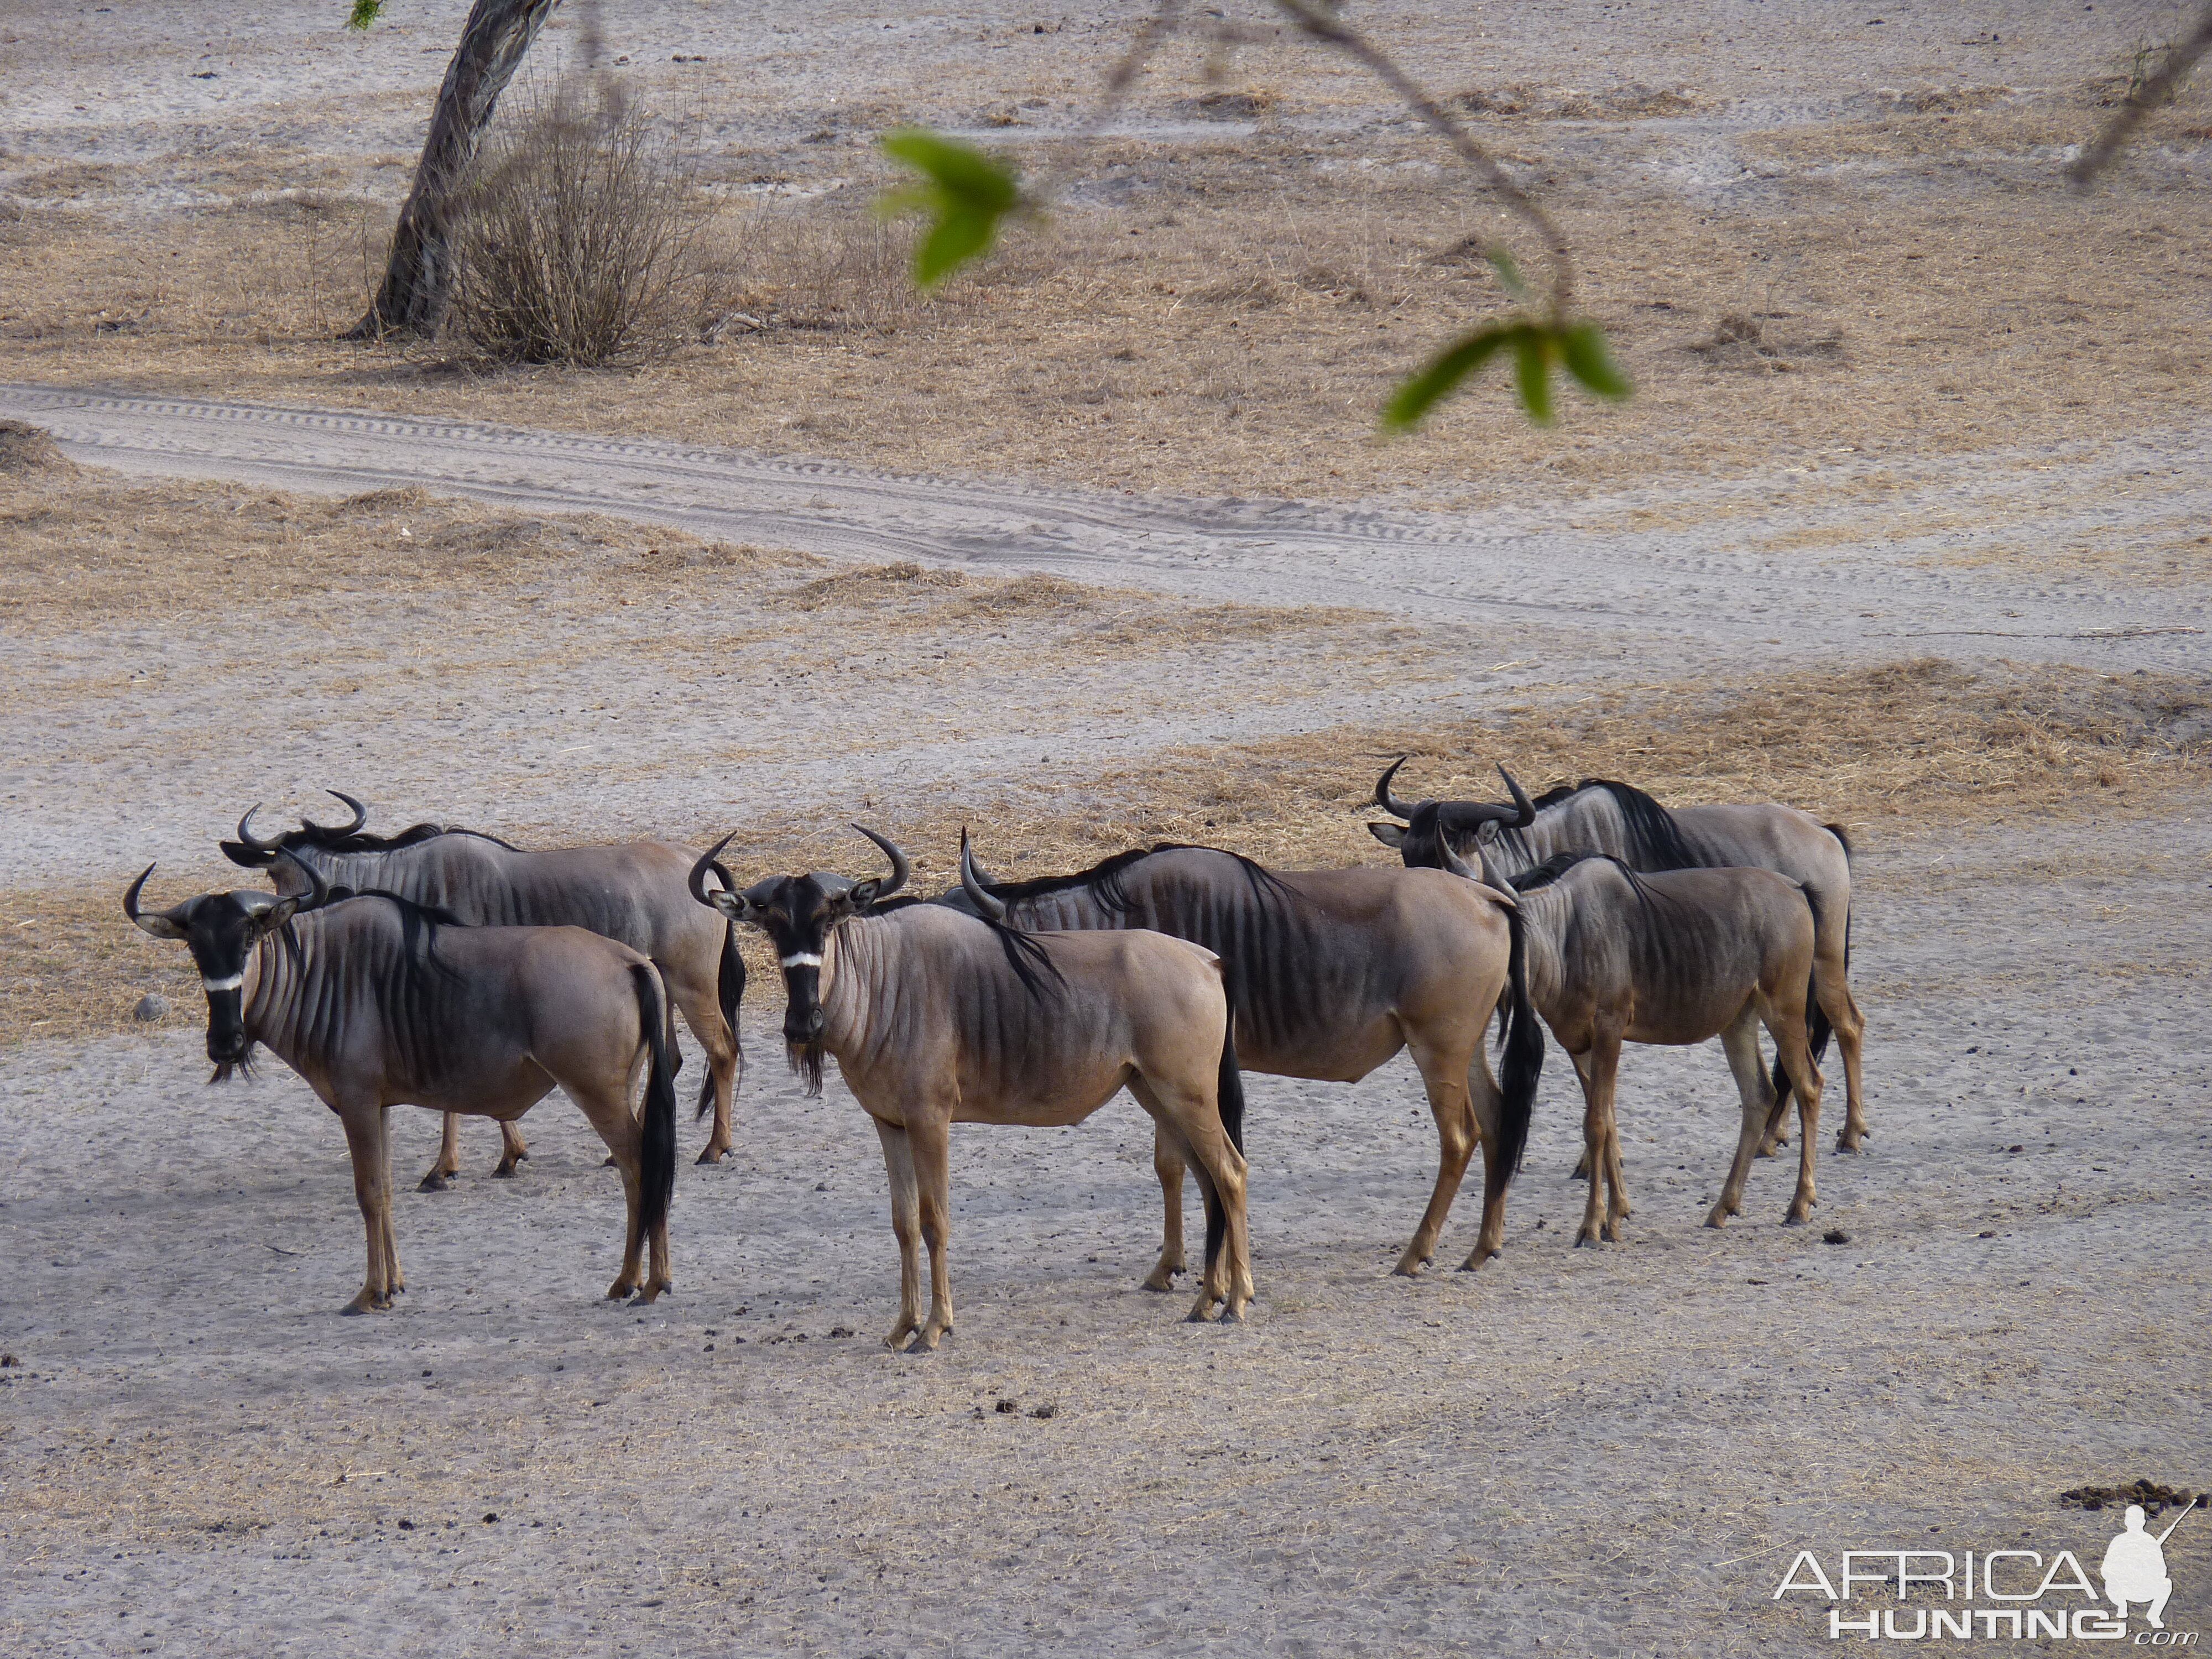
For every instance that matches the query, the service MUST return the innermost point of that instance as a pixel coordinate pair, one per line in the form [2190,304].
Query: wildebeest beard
[805,1060]
[243,1066]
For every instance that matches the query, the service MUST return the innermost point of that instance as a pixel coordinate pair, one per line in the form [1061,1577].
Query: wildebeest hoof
[1162,1277]
[1717,1217]
[621,1288]
[1409,1265]
[1793,1219]
[505,1172]
[713,1154]
[433,1182]
[609,1162]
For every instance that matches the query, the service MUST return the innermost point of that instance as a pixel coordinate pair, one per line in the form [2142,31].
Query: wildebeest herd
[444,968]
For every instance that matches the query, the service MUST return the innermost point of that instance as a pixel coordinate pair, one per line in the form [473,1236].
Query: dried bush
[573,244]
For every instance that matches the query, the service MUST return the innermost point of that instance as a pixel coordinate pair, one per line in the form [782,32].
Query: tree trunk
[419,275]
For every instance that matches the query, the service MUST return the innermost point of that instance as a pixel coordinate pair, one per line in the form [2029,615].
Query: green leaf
[365,12]
[1415,397]
[961,170]
[1532,368]
[1589,362]
[964,192]
[1508,272]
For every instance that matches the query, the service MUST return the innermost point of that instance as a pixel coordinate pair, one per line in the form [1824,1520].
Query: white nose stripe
[802,959]
[230,984]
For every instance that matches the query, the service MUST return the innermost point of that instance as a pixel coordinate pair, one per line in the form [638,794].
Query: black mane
[1104,878]
[1653,834]
[328,840]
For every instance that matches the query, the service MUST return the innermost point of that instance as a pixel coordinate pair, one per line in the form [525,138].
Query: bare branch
[1313,18]
[2179,60]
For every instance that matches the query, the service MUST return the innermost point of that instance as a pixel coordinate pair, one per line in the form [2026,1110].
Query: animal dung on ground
[151,1006]
[1835,1236]
[2150,1494]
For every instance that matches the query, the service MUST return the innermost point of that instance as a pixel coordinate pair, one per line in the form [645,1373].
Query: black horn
[162,923]
[1520,800]
[988,905]
[252,843]
[884,888]
[360,816]
[706,863]
[1384,799]
[319,891]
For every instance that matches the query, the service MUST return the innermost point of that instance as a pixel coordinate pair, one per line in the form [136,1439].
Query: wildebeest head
[220,930]
[798,913]
[1441,834]
[249,851]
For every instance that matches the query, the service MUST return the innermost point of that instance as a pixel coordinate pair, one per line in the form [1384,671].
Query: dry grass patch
[79,547]
[904,596]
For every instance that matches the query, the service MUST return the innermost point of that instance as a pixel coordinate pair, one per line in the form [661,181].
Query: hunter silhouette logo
[2023,1594]
[2133,1567]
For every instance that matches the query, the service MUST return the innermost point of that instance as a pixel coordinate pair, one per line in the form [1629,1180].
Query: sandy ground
[1972,426]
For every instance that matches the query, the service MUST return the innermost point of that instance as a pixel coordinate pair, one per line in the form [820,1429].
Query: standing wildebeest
[635,894]
[937,1019]
[1601,816]
[376,1005]
[1673,958]
[1330,973]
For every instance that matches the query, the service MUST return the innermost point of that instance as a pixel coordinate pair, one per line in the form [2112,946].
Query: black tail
[1524,1058]
[730,989]
[657,1160]
[1230,1089]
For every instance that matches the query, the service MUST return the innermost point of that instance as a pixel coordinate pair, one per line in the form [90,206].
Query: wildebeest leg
[1189,1119]
[1446,1074]
[365,1141]
[1831,987]
[929,1134]
[606,1103]
[906,1225]
[511,1149]
[1754,1092]
[703,1012]
[1168,1165]
[449,1156]
[1597,1069]
[1785,1019]
[1486,1105]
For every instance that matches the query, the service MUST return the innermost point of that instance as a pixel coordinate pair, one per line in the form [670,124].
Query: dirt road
[1857,560]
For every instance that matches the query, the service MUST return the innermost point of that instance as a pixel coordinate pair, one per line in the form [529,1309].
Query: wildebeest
[377,1003]
[1601,815]
[1673,958]
[636,894]
[1330,973]
[935,1018]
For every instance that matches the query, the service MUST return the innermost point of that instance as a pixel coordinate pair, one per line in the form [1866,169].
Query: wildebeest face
[1437,834]
[798,913]
[220,930]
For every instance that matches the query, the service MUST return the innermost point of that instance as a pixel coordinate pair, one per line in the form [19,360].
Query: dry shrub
[31,449]
[573,245]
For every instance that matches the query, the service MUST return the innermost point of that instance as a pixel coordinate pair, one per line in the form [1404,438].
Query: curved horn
[1520,800]
[319,891]
[360,816]
[897,877]
[161,924]
[988,905]
[246,837]
[706,863]
[1384,799]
